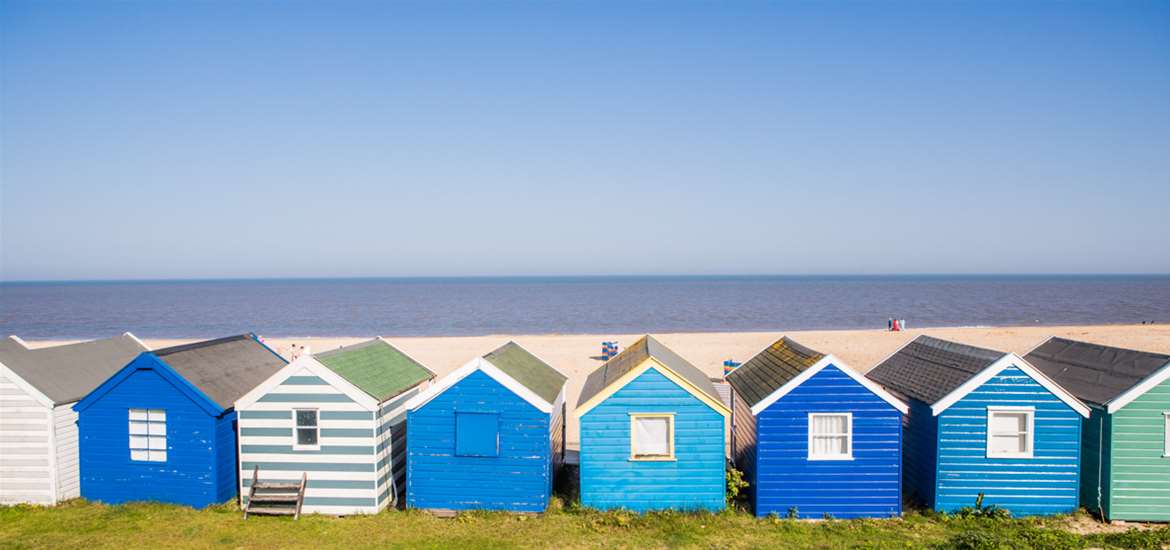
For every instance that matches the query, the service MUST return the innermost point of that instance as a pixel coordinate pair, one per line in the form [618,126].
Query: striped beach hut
[815,438]
[338,419]
[163,428]
[490,435]
[1125,451]
[38,427]
[652,433]
[984,422]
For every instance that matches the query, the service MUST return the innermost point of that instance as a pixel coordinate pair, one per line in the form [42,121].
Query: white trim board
[23,384]
[1155,378]
[307,363]
[1008,360]
[818,367]
[479,364]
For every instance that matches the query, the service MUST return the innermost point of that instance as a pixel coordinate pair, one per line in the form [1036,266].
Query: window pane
[158,443]
[157,456]
[306,436]
[652,437]
[139,455]
[1009,423]
[138,428]
[306,418]
[156,415]
[138,442]
[830,424]
[1010,444]
[137,414]
[157,428]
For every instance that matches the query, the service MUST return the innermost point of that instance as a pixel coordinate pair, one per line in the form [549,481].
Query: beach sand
[576,354]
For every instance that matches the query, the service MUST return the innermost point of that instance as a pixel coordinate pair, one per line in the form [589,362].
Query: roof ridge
[350,347]
[202,344]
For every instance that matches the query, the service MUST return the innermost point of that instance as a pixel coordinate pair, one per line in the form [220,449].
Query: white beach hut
[38,427]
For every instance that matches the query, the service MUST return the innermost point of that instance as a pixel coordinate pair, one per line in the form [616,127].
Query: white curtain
[1008,432]
[830,435]
[652,436]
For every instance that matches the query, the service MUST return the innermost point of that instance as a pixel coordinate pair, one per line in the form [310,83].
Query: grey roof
[645,348]
[927,369]
[770,369]
[1092,372]
[528,370]
[67,373]
[224,369]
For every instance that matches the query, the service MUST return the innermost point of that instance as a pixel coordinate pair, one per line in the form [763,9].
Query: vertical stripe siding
[1046,484]
[920,453]
[695,480]
[869,485]
[1140,474]
[517,480]
[1094,477]
[25,466]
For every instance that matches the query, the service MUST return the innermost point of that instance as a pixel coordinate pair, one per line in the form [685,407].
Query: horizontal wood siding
[107,473]
[1093,474]
[919,453]
[609,479]
[743,442]
[869,485]
[517,480]
[342,475]
[68,468]
[26,464]
[1140,485]
[1046,484]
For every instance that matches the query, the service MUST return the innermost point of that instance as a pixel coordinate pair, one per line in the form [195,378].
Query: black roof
[770,369]
[1092,372]
[224,369]
[927,369]
[645,348]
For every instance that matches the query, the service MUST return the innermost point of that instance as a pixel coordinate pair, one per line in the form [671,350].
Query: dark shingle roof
[224,369]
[67,373]
[375,367]
[1092,372]
[645,348]
[770,369]
[528,370]
[927,369]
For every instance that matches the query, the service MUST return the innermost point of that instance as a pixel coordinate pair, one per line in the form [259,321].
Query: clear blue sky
[173,140]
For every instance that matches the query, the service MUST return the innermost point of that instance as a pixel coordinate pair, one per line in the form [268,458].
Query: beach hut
[338,419]
[652,433]
[1125,450]
[814,438]
[984,423]
[38,429]
[490,435]
[163,427]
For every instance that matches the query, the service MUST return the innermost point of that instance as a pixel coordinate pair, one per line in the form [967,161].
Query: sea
[582,305]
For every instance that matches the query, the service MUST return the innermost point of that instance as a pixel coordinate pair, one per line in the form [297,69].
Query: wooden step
[274,498]
[271,510]
[277,486]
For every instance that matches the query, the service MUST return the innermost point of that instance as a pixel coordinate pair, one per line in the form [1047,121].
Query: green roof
[529,371]
[376,368]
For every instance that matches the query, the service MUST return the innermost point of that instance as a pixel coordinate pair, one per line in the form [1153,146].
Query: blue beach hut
[984,422]
[813,437]
[652,433]
[164,427]
[489,436]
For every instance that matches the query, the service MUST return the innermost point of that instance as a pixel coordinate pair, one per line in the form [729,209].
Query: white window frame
[634,437]
[296,429]
[1166,434]
[848,435]
[1030,435]
[148,422]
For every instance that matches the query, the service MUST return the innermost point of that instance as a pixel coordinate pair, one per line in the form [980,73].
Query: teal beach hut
[652,433]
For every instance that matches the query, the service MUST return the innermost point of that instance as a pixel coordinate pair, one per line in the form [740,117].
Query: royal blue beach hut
[815,438]
[652,433]
[984,422]
[164,427]
[488,436]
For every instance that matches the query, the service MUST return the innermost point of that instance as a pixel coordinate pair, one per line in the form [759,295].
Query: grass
[80,524]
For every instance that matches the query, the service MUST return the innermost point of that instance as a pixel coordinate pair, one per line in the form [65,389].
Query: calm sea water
[605,305]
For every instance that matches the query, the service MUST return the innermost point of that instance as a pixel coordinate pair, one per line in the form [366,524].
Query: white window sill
[830,458]
[653,459]
[1013,456]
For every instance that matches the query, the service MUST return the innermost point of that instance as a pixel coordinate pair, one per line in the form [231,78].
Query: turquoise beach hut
[984,423]
[652,433]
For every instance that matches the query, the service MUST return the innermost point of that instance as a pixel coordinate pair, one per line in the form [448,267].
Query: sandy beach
[576,354]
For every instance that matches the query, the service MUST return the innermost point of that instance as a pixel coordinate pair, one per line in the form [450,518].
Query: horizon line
[578,276]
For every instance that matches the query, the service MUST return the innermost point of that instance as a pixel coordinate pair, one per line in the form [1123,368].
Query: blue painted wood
[1046,484]
[609,479]
[201,446]
[869,485]
[519,479]
[919,453]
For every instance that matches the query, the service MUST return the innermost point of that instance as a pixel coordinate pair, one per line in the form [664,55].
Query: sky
[144,140]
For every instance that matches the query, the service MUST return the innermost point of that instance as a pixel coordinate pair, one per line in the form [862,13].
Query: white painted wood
[27,460]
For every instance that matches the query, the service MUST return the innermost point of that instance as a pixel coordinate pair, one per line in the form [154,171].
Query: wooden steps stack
[283,499]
